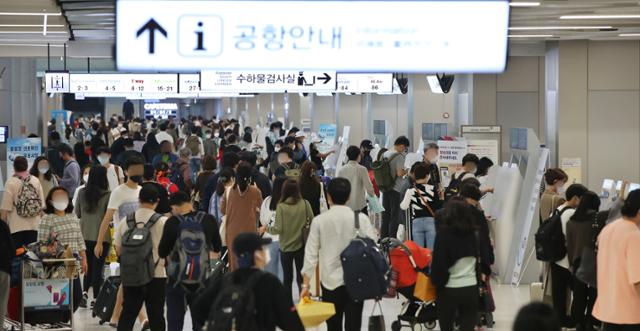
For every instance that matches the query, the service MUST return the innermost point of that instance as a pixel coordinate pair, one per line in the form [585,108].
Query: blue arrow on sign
[152,26]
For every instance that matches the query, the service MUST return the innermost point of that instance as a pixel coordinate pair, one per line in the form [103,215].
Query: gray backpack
[136,253]
[189,260]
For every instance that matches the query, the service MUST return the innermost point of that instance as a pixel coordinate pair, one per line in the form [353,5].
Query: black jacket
[7,248]
[273,303]
[262,182]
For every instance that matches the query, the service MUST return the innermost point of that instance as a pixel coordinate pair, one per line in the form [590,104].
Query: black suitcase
[106,301]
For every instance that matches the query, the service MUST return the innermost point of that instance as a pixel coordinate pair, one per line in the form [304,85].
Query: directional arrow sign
[151,26]
[326,78]
[267,81]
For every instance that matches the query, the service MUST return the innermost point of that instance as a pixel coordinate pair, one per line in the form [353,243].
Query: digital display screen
[4,134]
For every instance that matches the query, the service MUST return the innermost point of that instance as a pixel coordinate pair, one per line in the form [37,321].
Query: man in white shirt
[153,293]
[330,234]
[561,278]
[115,175]
[358,176]
[163,135]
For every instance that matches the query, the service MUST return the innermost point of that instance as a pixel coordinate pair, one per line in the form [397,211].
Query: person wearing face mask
[553,195]
[114,173]
[274,308]
[90,207]
[431,155]
[179,297]
[42,171]
[60,219]
[209,144]
[71,174]
[392,197]
[366,146]
[123,200]
[273,158]
[166,155]
[85,180]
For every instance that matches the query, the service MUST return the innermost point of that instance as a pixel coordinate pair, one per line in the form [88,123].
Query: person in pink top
[618,302]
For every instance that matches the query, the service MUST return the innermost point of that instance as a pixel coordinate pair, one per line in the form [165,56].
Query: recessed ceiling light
[629,35]
[587,27]
[530,36]
[524,4]
[29,14]
[597,17]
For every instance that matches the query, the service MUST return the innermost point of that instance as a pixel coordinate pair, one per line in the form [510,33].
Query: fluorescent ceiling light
[27,32]
[31,25]
[629,35]
[596,17]
[28,14]
[524,4]
[586,27]
[530,35]
[434,84]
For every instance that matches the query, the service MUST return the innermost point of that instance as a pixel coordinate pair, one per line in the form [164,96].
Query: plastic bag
[313,313]
[374,205]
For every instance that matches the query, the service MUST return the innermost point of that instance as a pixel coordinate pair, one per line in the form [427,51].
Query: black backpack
[235,306]
[551,244]
[365,268]
[454,186]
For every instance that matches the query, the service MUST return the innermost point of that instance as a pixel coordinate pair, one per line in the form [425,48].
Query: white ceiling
[88,25]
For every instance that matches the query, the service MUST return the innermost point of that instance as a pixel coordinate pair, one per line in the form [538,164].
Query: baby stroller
[406,260]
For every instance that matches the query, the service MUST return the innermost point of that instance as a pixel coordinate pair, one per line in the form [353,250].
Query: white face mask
[85,178]
[217,134]
[277,149]
[208,135]
[43,170]
[561,190]
[433,160]
[103,159]
[60,205]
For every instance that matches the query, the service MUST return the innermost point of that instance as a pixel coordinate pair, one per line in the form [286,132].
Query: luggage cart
[48,290]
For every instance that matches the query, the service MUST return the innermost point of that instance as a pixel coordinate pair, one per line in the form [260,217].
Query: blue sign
[384,35]
[30,148]
[328,134]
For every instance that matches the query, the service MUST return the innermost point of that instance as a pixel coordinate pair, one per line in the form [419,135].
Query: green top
[290,219]
[90,220]
[463,273]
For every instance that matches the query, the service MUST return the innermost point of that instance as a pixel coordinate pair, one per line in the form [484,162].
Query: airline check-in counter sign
[123,83]
[313,35]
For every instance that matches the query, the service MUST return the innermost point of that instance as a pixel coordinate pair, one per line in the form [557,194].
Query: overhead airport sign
[123,83]
[268,81]
[384,36]
[365,83]
[189,83]
[56,82]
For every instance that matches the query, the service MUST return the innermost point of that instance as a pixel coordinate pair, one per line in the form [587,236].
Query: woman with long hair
[226,179]
[581,235]
[293,213]
[91,206]
[240,206]
[42,170]
[60,220]
[268,218]
[454,265]
[310,186]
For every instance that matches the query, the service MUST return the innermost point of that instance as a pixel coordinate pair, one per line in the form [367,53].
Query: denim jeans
[194,166]
[424,231]
[274,266]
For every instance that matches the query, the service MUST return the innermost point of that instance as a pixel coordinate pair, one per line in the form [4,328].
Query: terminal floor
[508,299]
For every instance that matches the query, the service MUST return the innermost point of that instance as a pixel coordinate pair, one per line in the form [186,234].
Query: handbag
[306,229]
[486,303]
[324,206]
[374,205]
[424,288]
[376,322]
[313,313]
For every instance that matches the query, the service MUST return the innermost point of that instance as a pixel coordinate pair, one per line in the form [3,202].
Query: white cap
[300,134]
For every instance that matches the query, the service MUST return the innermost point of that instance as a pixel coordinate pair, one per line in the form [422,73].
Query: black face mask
[137,179]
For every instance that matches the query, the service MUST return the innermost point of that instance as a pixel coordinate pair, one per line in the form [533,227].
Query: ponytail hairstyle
[243,176]
[226,175]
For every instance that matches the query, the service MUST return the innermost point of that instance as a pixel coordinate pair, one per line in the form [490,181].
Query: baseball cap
[300,134]
[247,243]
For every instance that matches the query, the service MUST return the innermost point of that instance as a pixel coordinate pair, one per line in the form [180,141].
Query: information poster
[30,148]
[328,134]
[573,168]
[484,148]
[452,152]
[46,293]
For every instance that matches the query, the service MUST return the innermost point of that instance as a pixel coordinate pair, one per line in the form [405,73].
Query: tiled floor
[508,301]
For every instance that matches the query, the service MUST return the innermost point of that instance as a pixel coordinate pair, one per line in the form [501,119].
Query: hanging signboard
[365,83]
[267,81]
[56,82]
[123,83]
[313,35]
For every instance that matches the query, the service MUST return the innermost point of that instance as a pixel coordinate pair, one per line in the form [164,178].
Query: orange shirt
[618,271]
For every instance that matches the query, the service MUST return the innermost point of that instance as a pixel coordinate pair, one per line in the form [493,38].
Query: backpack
[193,144]
[385,176]
[136,253]
[454,186]
[364,266]
[177,175]
[550,240]
[28,203]
[235,306]
[190,256]
[292,173]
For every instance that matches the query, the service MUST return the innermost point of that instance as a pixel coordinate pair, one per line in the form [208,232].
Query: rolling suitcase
[106,301]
